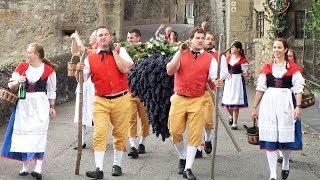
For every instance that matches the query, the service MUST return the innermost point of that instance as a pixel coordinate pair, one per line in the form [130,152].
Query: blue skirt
[21,156]
[296,145]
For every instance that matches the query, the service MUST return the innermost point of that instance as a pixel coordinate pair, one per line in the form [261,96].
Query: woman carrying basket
[279,89]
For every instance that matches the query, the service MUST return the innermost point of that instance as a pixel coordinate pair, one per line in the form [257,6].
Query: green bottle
[22,90]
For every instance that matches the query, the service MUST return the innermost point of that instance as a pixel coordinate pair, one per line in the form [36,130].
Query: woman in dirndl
[26,135]
[279,92]
[234,95]
[88,87]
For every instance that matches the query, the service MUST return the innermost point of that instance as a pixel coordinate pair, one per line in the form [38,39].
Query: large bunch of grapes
[150,82]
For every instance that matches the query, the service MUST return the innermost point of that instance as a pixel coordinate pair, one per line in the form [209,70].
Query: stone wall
[48,22]
[139,12]
[51,22]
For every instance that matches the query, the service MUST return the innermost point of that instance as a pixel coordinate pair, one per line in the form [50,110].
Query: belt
[182,95]
[116,96]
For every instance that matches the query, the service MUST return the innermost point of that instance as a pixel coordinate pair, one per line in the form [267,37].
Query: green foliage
[276,19]
[141,51]
[313,19]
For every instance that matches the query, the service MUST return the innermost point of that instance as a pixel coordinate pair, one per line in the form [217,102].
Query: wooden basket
[72,67]
[253,138]
[308,99]
[8,96]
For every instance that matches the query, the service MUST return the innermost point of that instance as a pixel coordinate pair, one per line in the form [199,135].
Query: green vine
[277,20]
[313,19]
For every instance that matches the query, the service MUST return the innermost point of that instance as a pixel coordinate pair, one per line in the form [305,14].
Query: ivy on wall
[276,16]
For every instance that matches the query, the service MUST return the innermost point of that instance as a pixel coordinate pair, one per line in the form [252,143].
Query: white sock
[191,153]
[83,133]
[25,166]
[280,153]
[234,125]
[199,148]
[117,157]
[286,156]
[272,160]
[181,148]
[38,166]
[142,140]
[207,135]
[133,142]
[98,159]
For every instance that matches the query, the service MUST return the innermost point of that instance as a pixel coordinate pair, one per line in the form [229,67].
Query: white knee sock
[280,153]
[117,157]
[285,163]
[142,140]
[98,159]
[25,166]
[181,148]
[199,148]
[272,160]
[83,133]
[133,142]
[38,166]
[191,152]
[207,134]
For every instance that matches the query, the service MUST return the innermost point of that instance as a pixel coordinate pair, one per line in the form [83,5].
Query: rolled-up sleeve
[86,69]
[124,55]
[52,86]
[298,83]
[262,83]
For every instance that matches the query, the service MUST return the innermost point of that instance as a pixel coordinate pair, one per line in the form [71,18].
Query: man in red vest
[191,69]
[108,68]
[137,108]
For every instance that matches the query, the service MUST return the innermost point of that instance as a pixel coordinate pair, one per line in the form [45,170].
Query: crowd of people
[107,98]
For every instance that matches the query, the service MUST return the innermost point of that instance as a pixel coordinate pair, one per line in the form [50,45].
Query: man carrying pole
[191,68]
[108,68]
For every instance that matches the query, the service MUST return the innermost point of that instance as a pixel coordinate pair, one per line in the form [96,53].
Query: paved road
[160,161]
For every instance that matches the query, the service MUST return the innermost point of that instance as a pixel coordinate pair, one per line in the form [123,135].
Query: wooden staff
[216,100]
[80,106]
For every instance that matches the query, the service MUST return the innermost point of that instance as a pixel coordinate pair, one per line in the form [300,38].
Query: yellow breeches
[114,111]
[137,108]
[186,111]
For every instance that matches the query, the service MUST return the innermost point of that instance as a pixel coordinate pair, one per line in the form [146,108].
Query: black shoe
[181,166]
[116,170]
[284,174]
[36,175]
[272,179]
[97,174]
[23,173]
[83,146]
[230,121]
[198,154]
[234,127]
[208,147]
[141,149]
[280,160]
[133,152]
[188,174]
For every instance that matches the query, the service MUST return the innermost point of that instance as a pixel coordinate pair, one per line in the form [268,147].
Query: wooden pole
[80,106]
[216,100]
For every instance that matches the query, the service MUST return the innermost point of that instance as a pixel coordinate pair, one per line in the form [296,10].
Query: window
[260,24]
[299,22]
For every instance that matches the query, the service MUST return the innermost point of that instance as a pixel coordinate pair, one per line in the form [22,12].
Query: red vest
[191,77]
[106,76]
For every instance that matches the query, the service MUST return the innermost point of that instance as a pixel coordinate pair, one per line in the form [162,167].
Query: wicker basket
[72,67]
[308,99]
[8,96]
[253,138]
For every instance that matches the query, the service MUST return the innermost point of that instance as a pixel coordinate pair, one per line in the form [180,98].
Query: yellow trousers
[186,111]
[114,111]
[137,108]
[208,111]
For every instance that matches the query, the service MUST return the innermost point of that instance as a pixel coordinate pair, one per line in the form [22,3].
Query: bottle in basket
[22,90]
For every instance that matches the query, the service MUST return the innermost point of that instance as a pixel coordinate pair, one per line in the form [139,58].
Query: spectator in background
[163,37]
[173,38]
[205,26]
